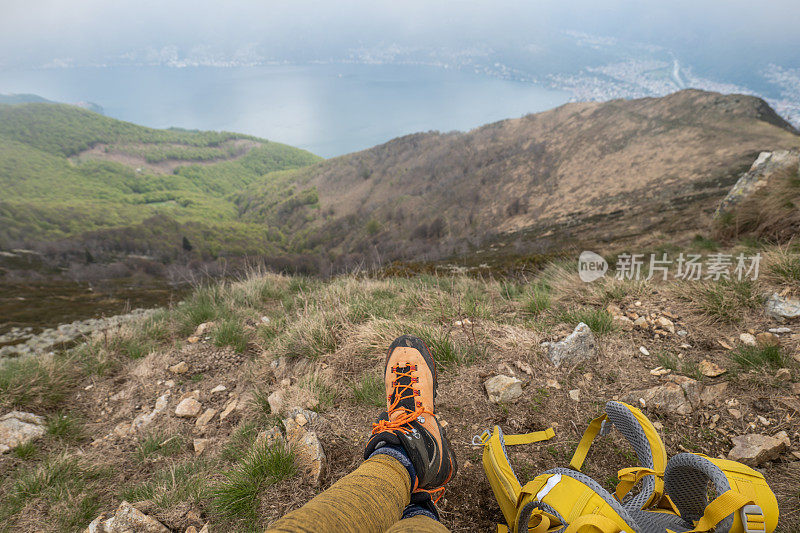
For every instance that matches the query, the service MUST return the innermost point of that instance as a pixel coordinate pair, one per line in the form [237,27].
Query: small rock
[624,323]
[188,408]
[276,401]
[641,323]
[194,339]
[747,339]
[660,371]
[218,388]
[126,519]
[665,324]
[205,418]
[682,332]
[301,419]
[768,339]
[553,384]
[712,394]
[763,420]
[203,328]
[735,413]
[19,427]
[754,449]
[780,330]
[575,395]
[503,389]
[782,309]
[122,429]
[228,409]
[724,344]
[145,419]
[524,367]
[265,320]
[307,449]
[710,369]
[169,383]
[637,303]
[179,368]
[668,398]
[614,310]
[577,346]
[784,374]
[643,350]
[200,445]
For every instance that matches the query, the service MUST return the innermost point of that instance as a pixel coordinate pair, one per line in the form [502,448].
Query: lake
[329,109]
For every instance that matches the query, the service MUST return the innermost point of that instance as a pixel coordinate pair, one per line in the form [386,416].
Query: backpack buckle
[752,519]
[480,440]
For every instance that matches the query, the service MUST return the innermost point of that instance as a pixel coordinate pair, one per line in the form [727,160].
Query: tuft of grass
[236,496]
[704,243]
[179,482]
[158,443]
[26,451]
[538,300]
[785,268]
[65,427]
[723,301]
[758,357]
[261,399]
[447,352]
[239,442]
[599,321]
[37,383]
[133,346]
[52,482]
[671,362]
[230,332]
[369,390]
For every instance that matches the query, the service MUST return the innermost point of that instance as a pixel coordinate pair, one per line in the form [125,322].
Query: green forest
[78,178]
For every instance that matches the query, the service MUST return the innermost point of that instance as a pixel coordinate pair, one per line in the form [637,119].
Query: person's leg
[407,458]
[369,499]
[418,524]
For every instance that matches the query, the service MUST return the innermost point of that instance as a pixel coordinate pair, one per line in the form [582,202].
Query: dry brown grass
[338,332]
[772,213]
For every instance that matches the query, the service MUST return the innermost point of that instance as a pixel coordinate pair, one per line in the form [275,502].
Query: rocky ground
[172,434]
[244,401]
[24,341]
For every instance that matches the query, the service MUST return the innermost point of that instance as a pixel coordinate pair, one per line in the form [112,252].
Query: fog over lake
[329,109]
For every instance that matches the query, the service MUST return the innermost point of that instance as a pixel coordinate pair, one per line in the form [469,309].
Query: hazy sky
[33,32]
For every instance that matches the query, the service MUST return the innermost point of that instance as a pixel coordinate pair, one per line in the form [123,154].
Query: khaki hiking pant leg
[368,500]
[418,524]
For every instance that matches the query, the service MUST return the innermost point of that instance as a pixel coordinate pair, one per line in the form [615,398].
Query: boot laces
[402,423]
[402,392]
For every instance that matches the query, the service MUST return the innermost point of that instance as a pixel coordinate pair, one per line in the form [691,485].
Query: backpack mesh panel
[686,482]
[595,486]
[629,426]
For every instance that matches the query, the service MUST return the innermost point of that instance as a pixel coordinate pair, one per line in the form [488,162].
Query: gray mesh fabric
[595,486]
[629,426]
[686,480]
[525,513]
[652,522]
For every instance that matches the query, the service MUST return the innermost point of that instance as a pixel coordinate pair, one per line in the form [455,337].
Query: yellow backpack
[671,497]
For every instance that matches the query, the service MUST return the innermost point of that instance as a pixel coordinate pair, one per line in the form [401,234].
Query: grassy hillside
[581,171]
[66,172]
[323,345]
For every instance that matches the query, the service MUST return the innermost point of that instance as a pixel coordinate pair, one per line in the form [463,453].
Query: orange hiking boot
[410,420]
